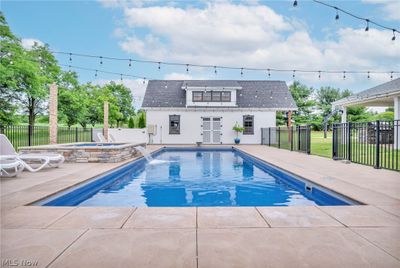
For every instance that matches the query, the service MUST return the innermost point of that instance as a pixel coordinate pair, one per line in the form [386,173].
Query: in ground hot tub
[88,152]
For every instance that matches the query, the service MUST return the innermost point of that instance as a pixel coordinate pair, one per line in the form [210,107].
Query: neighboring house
[186,112]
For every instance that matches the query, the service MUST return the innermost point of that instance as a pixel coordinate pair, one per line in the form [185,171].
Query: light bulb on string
[70,57]
[121,78]
[101,60]
[95,74]
[159,65]
[294,74]
[319,75]
[144,80]
[394,35]
[369,75]
[344,75]
[130,63]
[367,28]
[391,75]
[69,68]
[187,68]
[295,3]
[241,72]
[215,70]
[337,14]
[269,73]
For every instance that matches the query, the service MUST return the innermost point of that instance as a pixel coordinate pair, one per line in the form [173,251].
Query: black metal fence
[296,138]
[26,135]
[371,143]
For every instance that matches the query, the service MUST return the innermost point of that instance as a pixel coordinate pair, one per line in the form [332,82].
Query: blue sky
[263,34]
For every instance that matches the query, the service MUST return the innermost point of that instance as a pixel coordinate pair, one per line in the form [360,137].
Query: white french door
[211,130]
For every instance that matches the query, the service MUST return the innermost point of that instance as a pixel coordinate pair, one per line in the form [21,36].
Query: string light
[391,75]
[159,65]
[294,74]
[144,80]
[344,75]
[130,63]
[121,77]
[295,3]
[241,69]
[319,75]
[70,57]
[369,75]
[95,74]
[337,14]
[187,68]
[357,17]
[241,72]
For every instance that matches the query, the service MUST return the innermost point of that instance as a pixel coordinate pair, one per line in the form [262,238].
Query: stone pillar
[105,127]
[53,109]
[344,115]
[396,102]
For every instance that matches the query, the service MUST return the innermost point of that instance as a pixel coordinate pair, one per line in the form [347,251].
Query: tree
[142,120]
[123,100]
[131,123]
[302,95]
[72,100]
[327,95]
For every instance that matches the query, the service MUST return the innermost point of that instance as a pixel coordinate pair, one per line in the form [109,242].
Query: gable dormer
[212,93]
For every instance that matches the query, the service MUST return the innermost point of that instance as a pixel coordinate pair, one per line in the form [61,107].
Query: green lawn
[321,146]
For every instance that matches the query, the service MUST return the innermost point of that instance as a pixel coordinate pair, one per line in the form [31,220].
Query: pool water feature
[197,177]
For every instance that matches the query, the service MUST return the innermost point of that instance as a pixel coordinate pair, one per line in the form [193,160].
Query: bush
[142,120]
[131,123]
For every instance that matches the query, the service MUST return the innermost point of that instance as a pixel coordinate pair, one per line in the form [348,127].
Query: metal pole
[29,135]
[378,145]
[349,141]
[269,136]
[76,134]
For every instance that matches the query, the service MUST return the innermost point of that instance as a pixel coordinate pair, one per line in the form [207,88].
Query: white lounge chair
[10,167]
[101,138]
[7,152]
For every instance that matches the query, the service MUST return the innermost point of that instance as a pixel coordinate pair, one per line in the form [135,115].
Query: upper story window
[248,124]
[174,124]
[211,96]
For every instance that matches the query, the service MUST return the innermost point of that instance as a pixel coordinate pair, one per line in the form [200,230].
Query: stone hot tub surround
[89,152]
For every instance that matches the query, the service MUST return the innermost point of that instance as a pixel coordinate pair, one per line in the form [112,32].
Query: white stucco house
[186,112]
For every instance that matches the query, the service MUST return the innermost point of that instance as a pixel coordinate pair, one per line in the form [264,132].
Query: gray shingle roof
[254,94]
[386,88]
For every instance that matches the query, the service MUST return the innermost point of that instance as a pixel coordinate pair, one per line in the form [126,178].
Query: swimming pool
[183,177]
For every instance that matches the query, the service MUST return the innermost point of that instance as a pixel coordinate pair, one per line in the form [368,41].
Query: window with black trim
[174,124]
[211,96]
[248,124]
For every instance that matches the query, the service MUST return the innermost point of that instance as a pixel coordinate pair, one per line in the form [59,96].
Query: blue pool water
[197,177]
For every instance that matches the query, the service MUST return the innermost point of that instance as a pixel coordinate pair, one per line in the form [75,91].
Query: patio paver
[223,217]
[288,247]
[366,216]
[154,217]
[94,217]
[395,210]
[386,238]
[297,217]
[33,216]
[132,248]
[39,246]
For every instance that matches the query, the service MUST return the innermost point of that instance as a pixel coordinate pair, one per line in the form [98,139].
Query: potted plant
[238,130]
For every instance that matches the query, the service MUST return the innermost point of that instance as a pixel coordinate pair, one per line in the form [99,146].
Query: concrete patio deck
[313,236]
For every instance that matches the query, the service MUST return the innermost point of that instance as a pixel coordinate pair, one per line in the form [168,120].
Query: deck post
[53,109]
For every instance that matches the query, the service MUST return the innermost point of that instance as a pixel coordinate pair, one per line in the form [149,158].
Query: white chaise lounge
[10,167]
[7,152]
[101,138]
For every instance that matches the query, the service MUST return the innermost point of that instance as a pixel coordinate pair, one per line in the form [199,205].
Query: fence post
[269,136]
[91,134]
[308,131]
[378,145]
[291,138]
[298,138]
[76,134]
[1,128]
[349,141]
[29,135]
[334,142]
[279,137]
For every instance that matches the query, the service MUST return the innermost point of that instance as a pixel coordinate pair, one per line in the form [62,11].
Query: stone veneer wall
[89,154]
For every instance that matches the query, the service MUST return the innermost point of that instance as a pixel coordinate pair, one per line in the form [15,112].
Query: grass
[321,146]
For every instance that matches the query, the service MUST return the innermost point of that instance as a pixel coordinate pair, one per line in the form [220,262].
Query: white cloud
[224,33]
[28,43]
[391,8]
[137,87]
[177,76]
